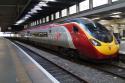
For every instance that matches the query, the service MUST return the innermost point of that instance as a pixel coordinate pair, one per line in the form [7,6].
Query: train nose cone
[108,50]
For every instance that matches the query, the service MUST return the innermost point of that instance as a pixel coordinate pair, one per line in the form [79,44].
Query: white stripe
[39,66]
[70,39]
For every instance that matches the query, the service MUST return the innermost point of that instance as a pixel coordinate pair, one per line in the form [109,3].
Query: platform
[17,67]
[122,47]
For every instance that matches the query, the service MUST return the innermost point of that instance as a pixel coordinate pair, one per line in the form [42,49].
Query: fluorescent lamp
[30,12]
[37,8]
[34,11]
[20,21]
[116,16]
[48,0]
[23,19]
[116,13]
[16,24]
[42,4]
[28,15]
[97,18]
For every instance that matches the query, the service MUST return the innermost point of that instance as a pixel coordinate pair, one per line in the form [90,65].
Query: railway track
[115,69]
[63,76]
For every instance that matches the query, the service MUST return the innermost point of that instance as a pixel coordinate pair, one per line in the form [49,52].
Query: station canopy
[13,10]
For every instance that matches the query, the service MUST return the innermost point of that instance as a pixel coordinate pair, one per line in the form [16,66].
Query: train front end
[105,50]
[101,43]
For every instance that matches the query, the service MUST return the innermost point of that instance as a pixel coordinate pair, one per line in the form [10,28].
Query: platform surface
[122,47]
[7,68]
[16,67]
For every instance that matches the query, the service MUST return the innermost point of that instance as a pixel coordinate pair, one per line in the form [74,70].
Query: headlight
[95,42]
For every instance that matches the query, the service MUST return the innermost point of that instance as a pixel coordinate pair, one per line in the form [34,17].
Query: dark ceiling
[9,11]
[13,10]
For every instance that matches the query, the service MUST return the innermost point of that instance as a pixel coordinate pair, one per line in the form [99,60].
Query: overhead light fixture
[30,12]
[97,18]
[42,4]
[116,16]
[19,22]
[115,13]
[49,0]
[16,24]
[34,11]
[23,19]
[28,15]
[37,8]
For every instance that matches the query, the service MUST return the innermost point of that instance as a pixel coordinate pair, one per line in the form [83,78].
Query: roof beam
[14,5]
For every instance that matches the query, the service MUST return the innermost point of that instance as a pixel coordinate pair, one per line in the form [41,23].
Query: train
[79,36]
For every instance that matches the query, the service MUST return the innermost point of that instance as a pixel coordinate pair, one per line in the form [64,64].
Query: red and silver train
[90,39]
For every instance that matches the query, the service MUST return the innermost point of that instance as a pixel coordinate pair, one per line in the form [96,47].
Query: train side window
[75,29]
